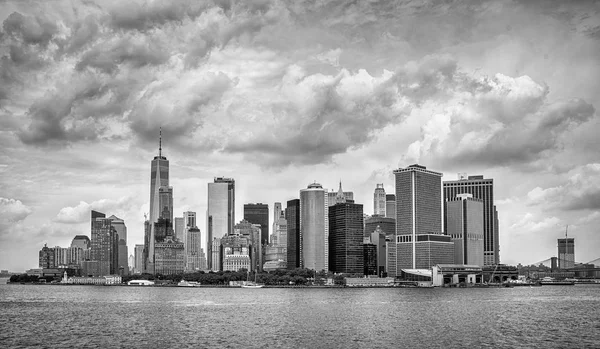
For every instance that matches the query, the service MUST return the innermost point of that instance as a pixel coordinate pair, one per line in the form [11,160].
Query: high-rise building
[387,225]
[379,201]
[165,202]
[463,220]
[378,238]
[189,218]
[346,254]
[334,197]
[159,178]
[193,250]
[169,256]
[390,206]
[46,257]
[253,234]
[179,228]
[131,262]
[138,255]
[566,253]
[369,257]
[119,225]
[104,248]
[294,241]
[314,227]
[418,242]
[96,214]
[81,241]
[258,214]
[236,253]
[220,215]
[483,189]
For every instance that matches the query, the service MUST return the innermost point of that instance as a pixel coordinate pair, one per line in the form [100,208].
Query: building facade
[427,251]
[463,220]
[294,240]
[379,200]
[387,225]
[121,228]
[566,253]
[482,189]
[105,247]
[169,257]
[159,177]
[314,227]
[390,206]
[346,250]
[220,215]
[253,234]
[258,214]
[236,253]
[138,256]
[193,250]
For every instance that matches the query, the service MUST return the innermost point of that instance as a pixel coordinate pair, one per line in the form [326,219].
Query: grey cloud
[32,30]
[83,33]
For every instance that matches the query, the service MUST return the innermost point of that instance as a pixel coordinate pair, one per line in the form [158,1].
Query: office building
[46,258]
[81,241]
[427,251]
[179,228]
[334,197]
[169,256]
[138,256]
[294,241]
[390,206]
[566,253]
[193,250]
[387,225]
[464,224]
[253,234]
[94,215]
[119,225]
[346,250]
[159,178]
[379,238]
[236,253]
[482,189]
[379,201]
[258,214]
[279,236]
[369,257]
[104,247]
[189,218]
[314,227]
[220,216]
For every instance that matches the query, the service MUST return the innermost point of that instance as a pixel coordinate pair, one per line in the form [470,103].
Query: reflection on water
[69,316]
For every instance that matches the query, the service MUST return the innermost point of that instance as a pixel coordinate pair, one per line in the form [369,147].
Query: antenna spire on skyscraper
[160,141]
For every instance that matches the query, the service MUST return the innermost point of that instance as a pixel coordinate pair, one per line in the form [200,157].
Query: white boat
[184,283]
[250,284]
[140,283]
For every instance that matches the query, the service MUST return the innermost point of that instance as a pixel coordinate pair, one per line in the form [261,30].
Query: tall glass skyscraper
[259,214]
[294,241]
[314,227]
[220,215]
[483,189]
[159,177]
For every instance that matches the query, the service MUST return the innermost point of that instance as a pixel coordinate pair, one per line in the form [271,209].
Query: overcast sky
[280,94]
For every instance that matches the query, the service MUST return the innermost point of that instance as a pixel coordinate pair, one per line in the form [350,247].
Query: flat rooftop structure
[459,268]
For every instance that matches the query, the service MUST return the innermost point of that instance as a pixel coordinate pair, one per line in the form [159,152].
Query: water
[165,317]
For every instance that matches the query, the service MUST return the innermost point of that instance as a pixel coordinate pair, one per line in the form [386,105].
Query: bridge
[548,262]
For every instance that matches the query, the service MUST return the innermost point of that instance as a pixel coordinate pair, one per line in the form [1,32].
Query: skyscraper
[346,253]
[566,253]
[220,215]
[418,242]
[387,225]
[119,225]
[189,218]
[483,189]
[138,255]
[314,227]
[179,228]
[159,177]
[193,249]
[294,241]
[379,201]
[105,247]
[463,220]
[340,195]
[258,214]
[390,206]
[81,241]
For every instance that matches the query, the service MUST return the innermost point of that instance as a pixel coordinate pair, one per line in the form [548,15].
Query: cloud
[580,191]
[29,30]
[81,212]
[12,211]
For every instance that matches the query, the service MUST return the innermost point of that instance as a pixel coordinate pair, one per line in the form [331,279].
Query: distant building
[369,257]
[483,189]
[220,216]
[138,255]
[119,225]
[159,178]
[193,250]
[179,227]
[379,238]
[258,214]
[346,253]
[236,253]
[566,253]
[46,257]
[390,206]
[334,197]
[464,224]
[427,251]
[81,241]
[387,225]
[314,227]
[169,256]
[294,241]
[253,234]
[379,201]
[189,218]
[105,247]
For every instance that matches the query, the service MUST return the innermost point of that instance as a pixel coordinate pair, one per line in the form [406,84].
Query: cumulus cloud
[580,191]
[81,212]
[11,212]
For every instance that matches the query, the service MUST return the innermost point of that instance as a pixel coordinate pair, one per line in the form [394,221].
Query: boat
[140,283]
[250,284]
[184,283]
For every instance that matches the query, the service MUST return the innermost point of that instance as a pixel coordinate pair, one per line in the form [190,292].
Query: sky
[279,94]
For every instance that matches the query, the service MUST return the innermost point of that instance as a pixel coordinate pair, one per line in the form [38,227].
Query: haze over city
[280,94]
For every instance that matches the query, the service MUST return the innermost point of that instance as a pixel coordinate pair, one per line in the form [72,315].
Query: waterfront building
[138,255]
[252,232]
[346,250]
[482,189]
[379,200]
[220,216]
[294,241]
[159,178]
[193,250]
[46,257]
[131,263]
[119,225]
[566,253]
[236,253]
[379,238]
[179,228]
[104,248]
[370,257]
[390,206]
[169,256]
[258,214]
[314,227]
[275,253]
[279,236]
[81,241]
[463,220]
[427,251]
[387,225]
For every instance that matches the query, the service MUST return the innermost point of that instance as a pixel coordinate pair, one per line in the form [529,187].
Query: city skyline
[362,90]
